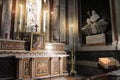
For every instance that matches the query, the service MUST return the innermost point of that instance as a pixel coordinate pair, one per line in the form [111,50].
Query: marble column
[62,21]
[117,2]
[6,19]
[71,21]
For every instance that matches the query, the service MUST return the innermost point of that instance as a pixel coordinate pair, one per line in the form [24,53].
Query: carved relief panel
[42,67]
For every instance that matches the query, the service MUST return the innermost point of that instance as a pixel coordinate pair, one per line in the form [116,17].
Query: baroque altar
[36,64]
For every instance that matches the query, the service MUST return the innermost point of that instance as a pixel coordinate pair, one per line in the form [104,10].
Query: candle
[45,1]
[72,35]
[44,21]
[20,16]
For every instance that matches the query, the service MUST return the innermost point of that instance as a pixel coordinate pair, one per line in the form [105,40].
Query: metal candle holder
[73,71]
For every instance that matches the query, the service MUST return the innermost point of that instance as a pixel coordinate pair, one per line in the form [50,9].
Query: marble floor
[60,78]
[98,77]
[64,78]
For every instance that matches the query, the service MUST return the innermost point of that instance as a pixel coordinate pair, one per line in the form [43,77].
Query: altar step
[60,78]
[66,78]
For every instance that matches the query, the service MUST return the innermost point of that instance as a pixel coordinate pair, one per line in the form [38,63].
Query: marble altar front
[34,65]
[38,64]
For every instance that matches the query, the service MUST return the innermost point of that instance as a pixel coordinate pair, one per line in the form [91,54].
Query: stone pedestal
[98,39]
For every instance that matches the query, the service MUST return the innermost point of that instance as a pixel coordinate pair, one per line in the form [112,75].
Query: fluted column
[6,19]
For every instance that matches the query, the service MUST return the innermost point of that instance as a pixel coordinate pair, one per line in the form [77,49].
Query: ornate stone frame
[33,38]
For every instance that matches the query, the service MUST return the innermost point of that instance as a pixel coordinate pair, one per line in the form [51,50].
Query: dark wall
[92,57]
[102,7]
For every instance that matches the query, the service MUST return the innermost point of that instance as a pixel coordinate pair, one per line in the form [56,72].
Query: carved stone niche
[101,34]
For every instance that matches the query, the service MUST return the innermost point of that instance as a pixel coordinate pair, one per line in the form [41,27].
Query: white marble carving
[95,24]
[94,17]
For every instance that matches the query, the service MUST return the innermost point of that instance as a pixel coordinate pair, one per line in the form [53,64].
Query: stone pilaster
[118,20]
[6,19]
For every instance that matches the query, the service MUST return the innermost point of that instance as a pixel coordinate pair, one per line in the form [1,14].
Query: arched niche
[94,37]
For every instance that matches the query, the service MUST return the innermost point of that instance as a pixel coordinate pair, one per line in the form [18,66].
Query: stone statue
[88,21]
[95,24]
[94,17]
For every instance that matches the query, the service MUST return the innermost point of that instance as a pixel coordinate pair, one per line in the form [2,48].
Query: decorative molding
[118,46]
[11,40]
[32,54]
[115,46]
[98,48]
[87,63]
